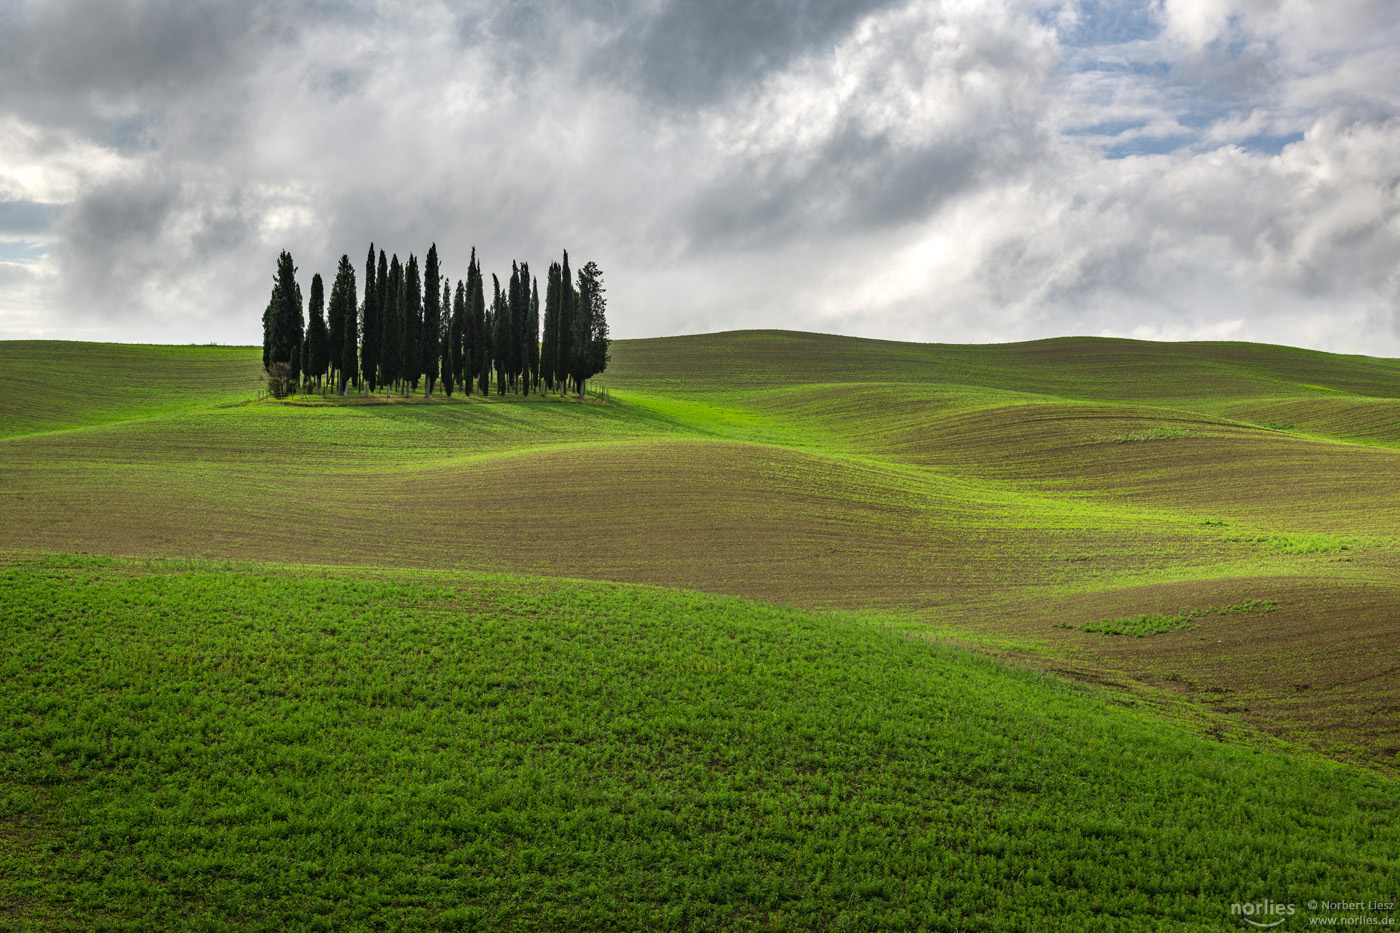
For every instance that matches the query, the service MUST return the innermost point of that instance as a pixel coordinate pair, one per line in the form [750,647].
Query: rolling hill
[1234,504]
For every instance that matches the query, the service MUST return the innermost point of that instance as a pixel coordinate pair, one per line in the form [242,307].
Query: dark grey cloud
[110,240]
[87,56]
[853,182]
[693,54]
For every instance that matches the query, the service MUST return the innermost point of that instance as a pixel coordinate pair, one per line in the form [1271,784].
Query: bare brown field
[725,517]
[1316,672]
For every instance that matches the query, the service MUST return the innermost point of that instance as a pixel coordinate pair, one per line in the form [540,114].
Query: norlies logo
[1265,913]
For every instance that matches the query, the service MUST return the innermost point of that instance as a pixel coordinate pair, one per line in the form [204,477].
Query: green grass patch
[1300,543]
[1156,623]
[210,747]
[1158,433]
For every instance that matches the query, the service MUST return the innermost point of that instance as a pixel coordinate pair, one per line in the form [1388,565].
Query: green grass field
[851,657]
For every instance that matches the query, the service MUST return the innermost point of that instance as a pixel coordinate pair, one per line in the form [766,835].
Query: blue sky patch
[21,251]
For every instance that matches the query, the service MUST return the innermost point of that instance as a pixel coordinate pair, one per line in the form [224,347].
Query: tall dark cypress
[458,338]
[287,324]
[565,365]
[590,332]
[501,330]
[522,329]
[484,326]
[299,318]
[432,319]
[471,332]
[318,352]
[515,337]
[412,323]
[369,355]
[549,341]
[445,330]
[335,334]
[392,350]
[270,325]
[532,335]
[343,308]
[381,297]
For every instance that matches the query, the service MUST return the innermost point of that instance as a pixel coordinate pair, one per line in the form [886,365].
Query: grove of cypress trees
[369,356]
[432,320]
[410,328]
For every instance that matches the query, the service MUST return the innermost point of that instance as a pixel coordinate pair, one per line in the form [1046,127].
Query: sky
[963,171]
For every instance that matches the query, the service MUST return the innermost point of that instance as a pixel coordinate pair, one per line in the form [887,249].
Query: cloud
[950,170]
[915,107]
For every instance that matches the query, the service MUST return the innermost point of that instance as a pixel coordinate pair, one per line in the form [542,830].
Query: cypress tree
[370,354]
[343,309]
[318,354]
[532,333]
[270,326]
[299,318]
[501,332]
[457,341]
[515,338]
[381,297]
[565,364]
[483,325]
[521,319]
[305,355]
[335,334]
[392,348]
[590,336]
[445,330]
[488,324]
[412,323]
[472,354]
[549,348]
[432,319]
[287,322]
